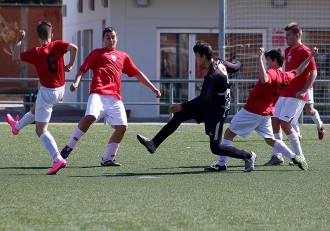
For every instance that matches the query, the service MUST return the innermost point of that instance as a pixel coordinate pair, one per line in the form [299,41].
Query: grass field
[168,190]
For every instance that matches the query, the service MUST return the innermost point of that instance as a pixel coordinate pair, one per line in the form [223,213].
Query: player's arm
[72,49]
[17,48]
[76,82]
[304,64]
[262,71]
[145,81]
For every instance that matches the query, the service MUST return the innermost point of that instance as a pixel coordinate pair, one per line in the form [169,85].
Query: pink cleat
[57,166]
[12,123]
[321,132]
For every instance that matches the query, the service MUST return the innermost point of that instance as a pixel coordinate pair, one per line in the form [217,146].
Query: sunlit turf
[168,190]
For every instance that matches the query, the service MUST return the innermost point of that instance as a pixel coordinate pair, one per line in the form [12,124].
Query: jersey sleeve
[61,46]
[231,67]
[29,56]
[129,67]
[89,61]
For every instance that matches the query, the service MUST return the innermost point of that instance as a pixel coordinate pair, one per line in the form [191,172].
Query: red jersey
[108,67]
[293,58]
[48,61]
[264,95]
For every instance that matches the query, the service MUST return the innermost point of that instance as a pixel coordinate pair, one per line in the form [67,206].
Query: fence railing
[237,103]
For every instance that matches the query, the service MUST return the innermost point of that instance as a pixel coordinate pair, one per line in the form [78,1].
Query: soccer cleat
[291,163]
[149,144]
[66,151]
[249,163]
[12,123]
[109,163]
[57,166]
[215,168]
[275,160]
[321,131]
[302,164]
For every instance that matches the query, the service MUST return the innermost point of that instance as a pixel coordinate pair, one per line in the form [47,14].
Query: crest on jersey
[289,58]
[113,57]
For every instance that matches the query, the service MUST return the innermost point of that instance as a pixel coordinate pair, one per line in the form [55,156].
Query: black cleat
[215,168]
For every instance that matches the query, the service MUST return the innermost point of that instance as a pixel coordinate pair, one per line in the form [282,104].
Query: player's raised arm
[17,48]
[262,71]
[303,66]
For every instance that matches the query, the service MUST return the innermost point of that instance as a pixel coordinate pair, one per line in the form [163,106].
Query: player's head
[44,30]
[293,33]
[110,37]
[272,56]
[203,49]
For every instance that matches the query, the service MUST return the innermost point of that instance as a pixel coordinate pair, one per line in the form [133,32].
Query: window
[64,10]
[92,5]
[80,6]
[105,3]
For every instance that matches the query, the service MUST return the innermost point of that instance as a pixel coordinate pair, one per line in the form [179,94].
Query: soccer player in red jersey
[105,100]
[292,99]
[256,114]
[48,59]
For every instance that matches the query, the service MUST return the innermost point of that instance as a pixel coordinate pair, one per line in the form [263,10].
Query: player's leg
[296,127]
[116,117]
[93,112]
[290,114]
[242,124]
[44,107]
[309,106]
[17,124]
[166,131]
[276,158]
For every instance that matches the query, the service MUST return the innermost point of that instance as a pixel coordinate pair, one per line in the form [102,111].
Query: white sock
[282,148]
[222,161]
[295,144]
[276,152]
[111,151]
[51,146]
[75,137]
[317,120]
[27,119]
[296,127]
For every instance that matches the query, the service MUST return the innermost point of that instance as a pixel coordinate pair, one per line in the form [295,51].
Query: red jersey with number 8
[48,61]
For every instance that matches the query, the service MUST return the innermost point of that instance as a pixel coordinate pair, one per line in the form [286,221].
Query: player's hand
[300,94]
[157,92]
[315,51]
[175,108]
[261,52]
[67,68]
[20,35]
[73,87]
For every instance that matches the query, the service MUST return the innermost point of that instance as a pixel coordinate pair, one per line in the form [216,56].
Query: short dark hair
[203,48]
[275,54]
[294,27]
[108,29]
[44,30]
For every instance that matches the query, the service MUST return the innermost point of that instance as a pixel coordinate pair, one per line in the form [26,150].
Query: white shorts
[310,96]
[46,99]
[245,122]
[107,106]
[287,108]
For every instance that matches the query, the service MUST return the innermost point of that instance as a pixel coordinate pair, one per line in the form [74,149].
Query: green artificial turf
[168,190]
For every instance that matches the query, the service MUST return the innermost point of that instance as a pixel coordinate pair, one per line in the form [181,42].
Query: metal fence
[240,91]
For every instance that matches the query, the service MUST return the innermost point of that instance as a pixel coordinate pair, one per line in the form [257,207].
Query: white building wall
[138,29]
